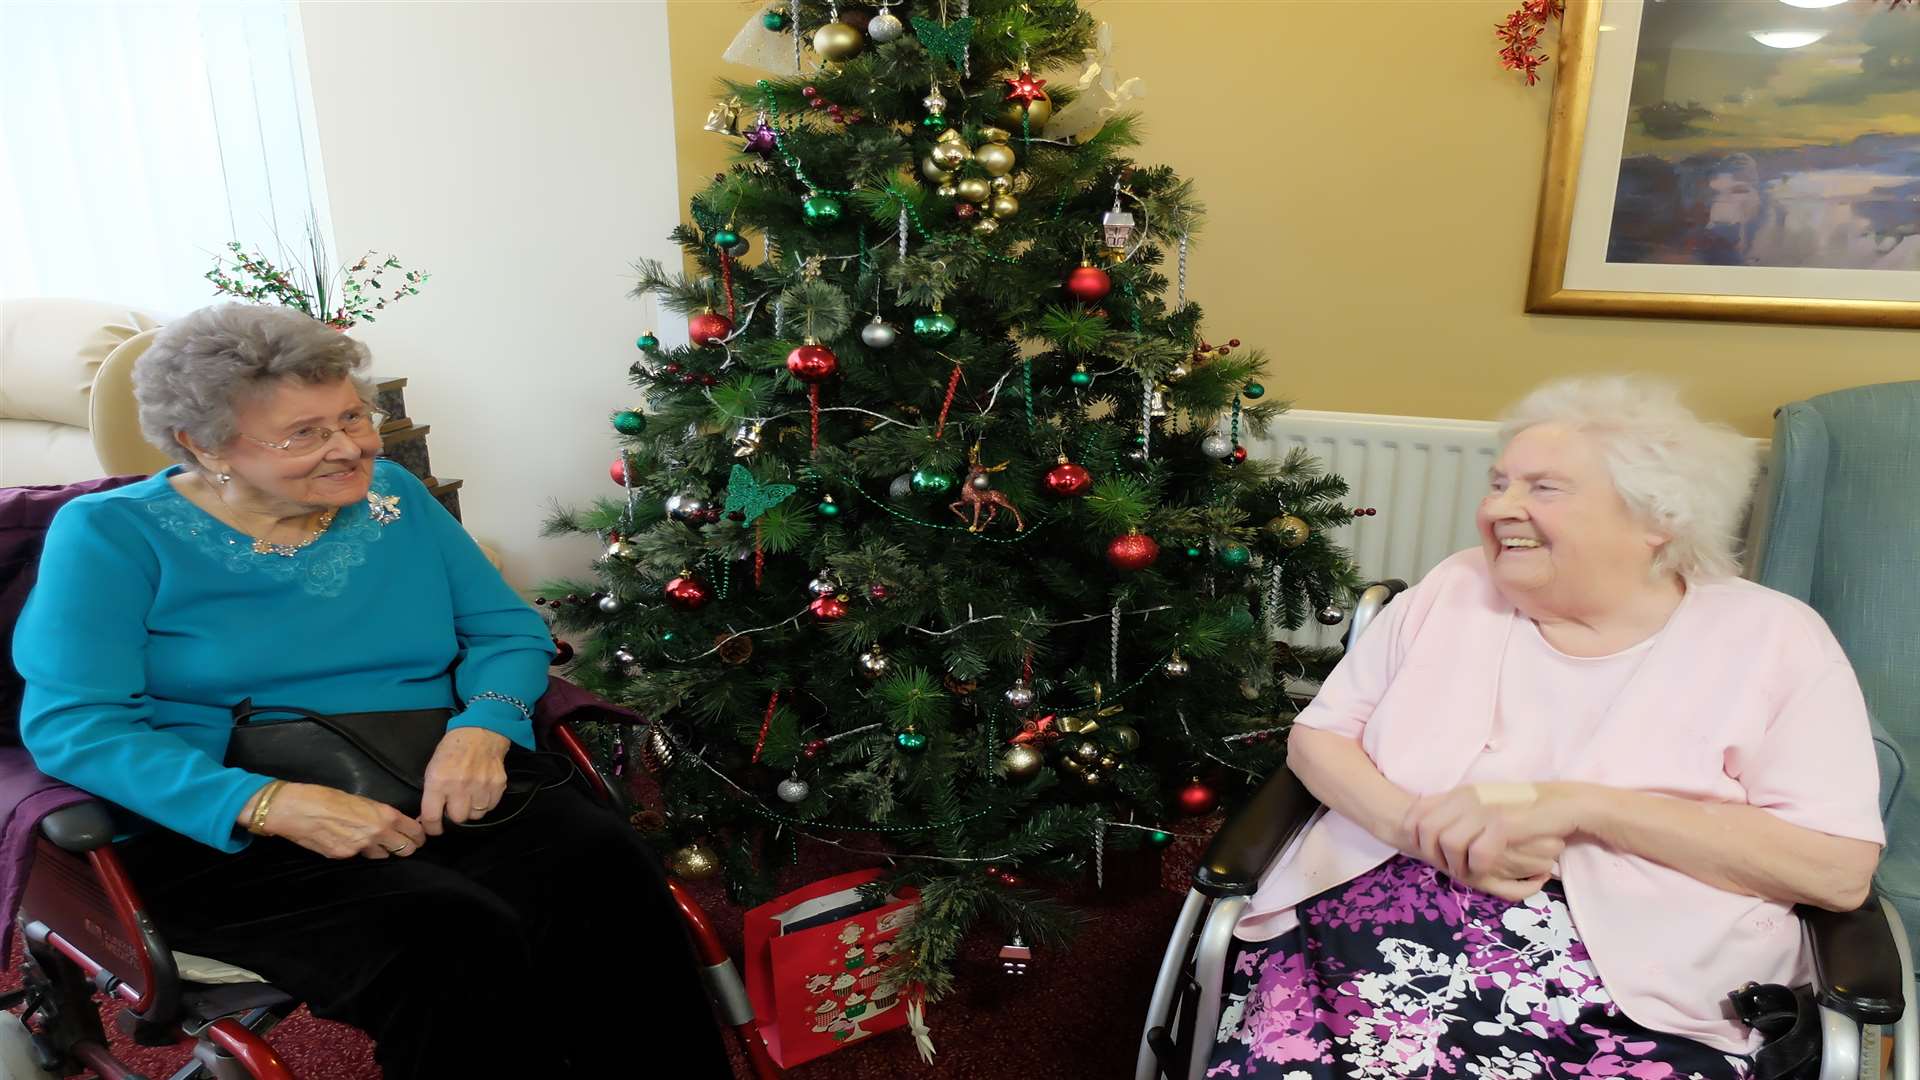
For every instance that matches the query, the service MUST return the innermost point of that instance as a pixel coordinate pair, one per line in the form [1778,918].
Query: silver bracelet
[490,695]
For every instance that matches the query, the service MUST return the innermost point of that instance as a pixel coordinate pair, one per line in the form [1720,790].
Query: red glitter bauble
[1067,479]
[1132,552]
[708,327]
[687,594]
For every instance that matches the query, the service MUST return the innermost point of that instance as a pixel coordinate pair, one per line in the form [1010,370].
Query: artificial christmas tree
[939,538]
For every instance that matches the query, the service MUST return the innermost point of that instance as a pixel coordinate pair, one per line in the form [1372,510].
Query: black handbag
[377,755]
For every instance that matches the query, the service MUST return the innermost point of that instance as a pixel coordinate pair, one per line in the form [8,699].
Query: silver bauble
[1020,697]
[1177,668]
[901,487]
[793,789]
[1020,762]
[981,482]
[823,586]
[1216,445]
[621,549]
[609,604]
[874,663]
[1331,615]
[685,507]
[624,654]
[878,334]
[739,248]
[746,439]
[885,27]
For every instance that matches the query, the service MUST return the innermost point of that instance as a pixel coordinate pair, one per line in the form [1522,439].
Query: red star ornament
[1026,87]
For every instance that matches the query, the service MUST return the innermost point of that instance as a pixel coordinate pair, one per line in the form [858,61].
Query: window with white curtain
[138,138]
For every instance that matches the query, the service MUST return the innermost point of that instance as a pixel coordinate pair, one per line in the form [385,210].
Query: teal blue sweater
[151,620]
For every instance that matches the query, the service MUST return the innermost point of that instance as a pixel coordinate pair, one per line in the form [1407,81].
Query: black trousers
[547,946]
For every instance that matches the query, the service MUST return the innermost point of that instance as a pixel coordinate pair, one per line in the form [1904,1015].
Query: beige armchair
[66,391]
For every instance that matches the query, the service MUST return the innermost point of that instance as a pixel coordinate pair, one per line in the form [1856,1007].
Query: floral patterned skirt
[1404,972]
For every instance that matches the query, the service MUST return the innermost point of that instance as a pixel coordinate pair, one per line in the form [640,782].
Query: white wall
[523,154]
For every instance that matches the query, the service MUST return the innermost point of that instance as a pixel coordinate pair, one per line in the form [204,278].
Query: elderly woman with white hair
[472,931]
[1574,783]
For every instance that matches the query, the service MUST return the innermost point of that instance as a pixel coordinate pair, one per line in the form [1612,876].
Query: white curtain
[137,138]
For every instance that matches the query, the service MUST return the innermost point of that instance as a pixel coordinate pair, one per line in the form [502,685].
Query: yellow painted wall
[1371,178]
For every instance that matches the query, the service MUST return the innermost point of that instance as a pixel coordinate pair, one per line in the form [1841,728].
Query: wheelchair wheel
[1870,1041]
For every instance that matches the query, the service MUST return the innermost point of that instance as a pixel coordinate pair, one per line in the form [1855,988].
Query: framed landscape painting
[1734,159]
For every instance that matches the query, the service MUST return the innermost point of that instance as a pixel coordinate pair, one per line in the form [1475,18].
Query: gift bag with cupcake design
[820,968]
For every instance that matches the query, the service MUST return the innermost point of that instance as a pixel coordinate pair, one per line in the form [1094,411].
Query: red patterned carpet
[1075,1016]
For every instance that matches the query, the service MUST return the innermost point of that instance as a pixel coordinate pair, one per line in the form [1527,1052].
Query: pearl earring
[222,479]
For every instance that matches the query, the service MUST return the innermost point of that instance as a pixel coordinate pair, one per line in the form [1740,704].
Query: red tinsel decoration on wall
[1520,36]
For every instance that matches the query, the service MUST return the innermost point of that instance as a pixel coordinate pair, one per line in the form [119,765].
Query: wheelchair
[86,931]
[1863,967]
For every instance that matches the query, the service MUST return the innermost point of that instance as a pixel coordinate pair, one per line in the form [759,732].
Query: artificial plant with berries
[940,537]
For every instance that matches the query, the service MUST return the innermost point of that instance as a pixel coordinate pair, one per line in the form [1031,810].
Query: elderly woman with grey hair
[1574,783]
[282,562]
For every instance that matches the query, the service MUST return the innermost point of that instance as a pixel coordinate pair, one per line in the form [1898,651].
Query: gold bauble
[1289,530]
[993,135]
[1037,114]
[1020,762]
[996,158]
[1128,735]
[1086,751]
[947,191]
[838,41]
[950,153]
[1005,206]
[1001,184]
[974,189]
[933,171]
[695,862]
[986,226]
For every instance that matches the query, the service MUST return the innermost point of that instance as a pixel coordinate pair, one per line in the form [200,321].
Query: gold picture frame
[1573,109]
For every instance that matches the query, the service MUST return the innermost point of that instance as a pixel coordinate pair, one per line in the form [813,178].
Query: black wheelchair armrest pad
[1856,966]
[1249,842]
[81,827]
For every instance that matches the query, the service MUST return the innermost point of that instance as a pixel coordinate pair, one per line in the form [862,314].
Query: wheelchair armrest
[1856,965]
[79,828]
[1249,842]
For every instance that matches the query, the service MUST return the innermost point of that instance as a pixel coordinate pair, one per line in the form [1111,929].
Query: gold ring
[401,850]
[486,806]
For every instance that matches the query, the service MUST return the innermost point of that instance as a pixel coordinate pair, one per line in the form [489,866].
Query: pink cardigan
[1746,698]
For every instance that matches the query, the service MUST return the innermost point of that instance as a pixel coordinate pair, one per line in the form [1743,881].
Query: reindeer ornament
[976,493]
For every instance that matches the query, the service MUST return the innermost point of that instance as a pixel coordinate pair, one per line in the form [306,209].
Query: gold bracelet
[258,825]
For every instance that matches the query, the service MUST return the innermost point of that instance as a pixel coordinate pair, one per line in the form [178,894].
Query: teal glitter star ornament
[751,497]
[946,41]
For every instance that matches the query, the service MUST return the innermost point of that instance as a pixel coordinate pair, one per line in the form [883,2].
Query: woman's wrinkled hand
[465,779]
[1500,838]
[340,825]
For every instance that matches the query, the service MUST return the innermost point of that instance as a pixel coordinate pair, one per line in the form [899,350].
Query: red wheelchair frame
[86,930]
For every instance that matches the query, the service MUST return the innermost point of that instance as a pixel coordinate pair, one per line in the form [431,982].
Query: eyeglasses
[355,424]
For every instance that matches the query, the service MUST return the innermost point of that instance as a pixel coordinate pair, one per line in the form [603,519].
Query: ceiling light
[1786,39]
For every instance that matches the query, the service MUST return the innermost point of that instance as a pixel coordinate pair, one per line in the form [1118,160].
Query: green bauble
[1193,551]
[910,740]
[1160,836]
[821,209]
[935,328]
[646,341]
[829,508]
[724,238]
[934,121]
[1240,620]
[1254,390]
[629,422]
[928,482]
[1232,556]
[774,20]
[1081,377]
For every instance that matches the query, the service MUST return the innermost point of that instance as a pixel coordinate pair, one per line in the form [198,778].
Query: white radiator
[1425,477]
